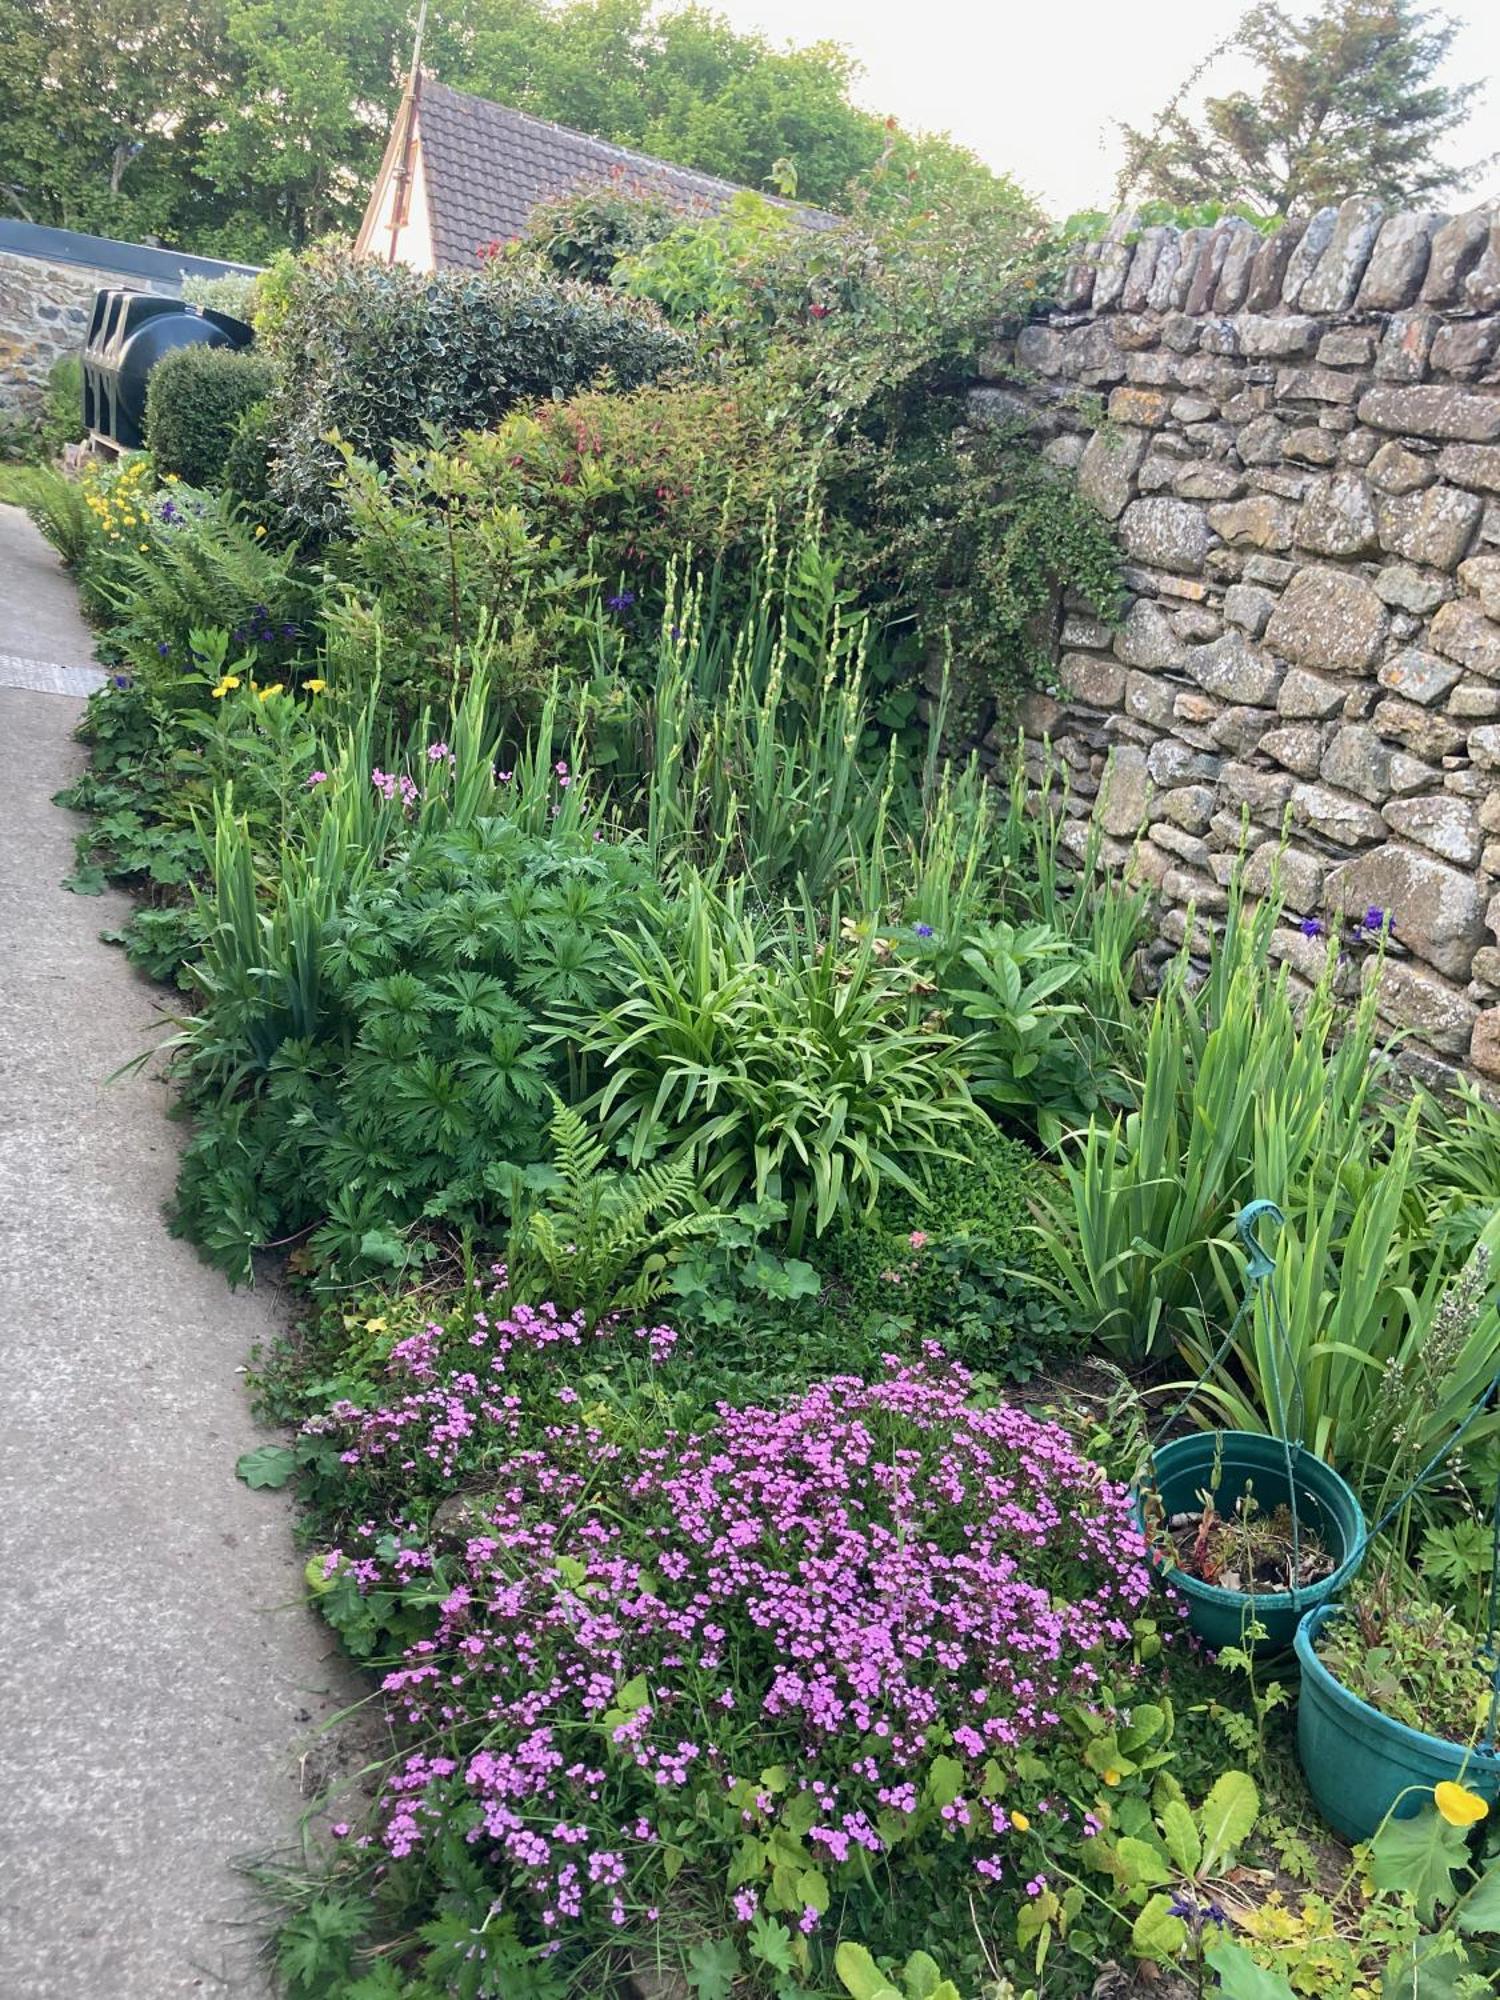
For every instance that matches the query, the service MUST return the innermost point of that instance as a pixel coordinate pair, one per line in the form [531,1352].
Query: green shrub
[234,293]
[194,400]
[381,354]
[247,462]
[585,232]
[62,409]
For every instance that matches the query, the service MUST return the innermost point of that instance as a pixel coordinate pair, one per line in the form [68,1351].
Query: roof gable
[487,167]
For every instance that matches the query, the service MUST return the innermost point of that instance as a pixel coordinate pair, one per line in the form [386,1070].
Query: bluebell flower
[1311,927]
[922,930]
[120,680]
[163,649]
[621,601]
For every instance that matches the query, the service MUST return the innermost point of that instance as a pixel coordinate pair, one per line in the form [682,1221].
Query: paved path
[158,1674]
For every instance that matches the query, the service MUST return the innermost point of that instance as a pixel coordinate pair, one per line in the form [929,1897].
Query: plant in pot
[1399,1692]
[1251,1530]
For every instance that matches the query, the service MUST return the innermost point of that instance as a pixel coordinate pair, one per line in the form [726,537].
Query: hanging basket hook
[1261,1264]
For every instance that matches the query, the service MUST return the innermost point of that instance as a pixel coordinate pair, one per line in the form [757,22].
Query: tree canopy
[237,127]
[1349,103]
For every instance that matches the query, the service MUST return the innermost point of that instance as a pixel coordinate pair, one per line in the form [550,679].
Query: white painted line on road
[47,677]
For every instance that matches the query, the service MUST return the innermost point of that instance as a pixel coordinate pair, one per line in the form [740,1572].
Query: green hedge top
[381,354]
[195,398]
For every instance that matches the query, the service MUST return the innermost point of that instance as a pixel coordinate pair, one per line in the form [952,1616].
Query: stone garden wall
[44,313]
[1298,438]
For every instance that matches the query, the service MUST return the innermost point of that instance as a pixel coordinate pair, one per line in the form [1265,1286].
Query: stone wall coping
[1356,258]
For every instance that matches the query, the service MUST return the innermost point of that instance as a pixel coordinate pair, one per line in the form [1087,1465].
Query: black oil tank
[129,332]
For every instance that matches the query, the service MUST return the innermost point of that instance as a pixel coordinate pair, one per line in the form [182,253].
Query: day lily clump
[813,1635]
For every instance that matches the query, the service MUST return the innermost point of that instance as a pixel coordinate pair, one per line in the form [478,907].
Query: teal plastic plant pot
[1358,1762]
[1326,1507]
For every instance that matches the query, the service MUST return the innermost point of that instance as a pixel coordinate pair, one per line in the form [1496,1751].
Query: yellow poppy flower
[1020,1822]
[226,682]
[276,687]
[315,687]
[1111,1776]
[1458,1805]
[259,533]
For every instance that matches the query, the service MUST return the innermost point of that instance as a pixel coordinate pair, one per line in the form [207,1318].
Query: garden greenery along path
[158,1672]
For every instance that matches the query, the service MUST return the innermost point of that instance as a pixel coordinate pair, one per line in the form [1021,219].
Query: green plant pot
[1358,1762]
[1326,1506]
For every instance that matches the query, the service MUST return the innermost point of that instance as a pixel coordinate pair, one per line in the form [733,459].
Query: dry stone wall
[44,314]
[1298,438]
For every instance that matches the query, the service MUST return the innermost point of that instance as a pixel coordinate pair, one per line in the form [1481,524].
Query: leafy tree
[1348,104]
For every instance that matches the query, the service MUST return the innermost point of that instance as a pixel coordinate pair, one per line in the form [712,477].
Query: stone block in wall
[1145,639]
[1261,441]
[1148,698]
[1436,1012]
[1261,522]
[1345,821]
[1329,618]
[1094,355]
[1420,676]
[1338,518]
[1153,370]
[1149,408]
[1281,338]
[1240,728]
[1405,588]
[1348,347]
[1480,576]
[1170,534]
[1085,677]
[1432,411]
[1425,733]
[1315,239]
[1482,286]
[1475,465]
[1398,262]
[1124,792]
[1188,807]
[1287,482]
[1137,287]
[1315,384]
[1437,909]
[1234,670]
[1269,270]
[1335,280]
[1064,452]
[1358,448]
[1193,480]
[1311,445]
[1041,349]
[1405,346]
[1159,295]
[1394,469]
[1297,872]
[1106,472]
[1475,701]
[1359,761]
[1296,746]
[1309,695]
[1456,248]
[1203,277]
[1249,607]
[1170,763]
[1484,747]
[1484,1044]
[1239,262]
[1261,792]
[1191,848]
[1461,631]
[1448,827]
[1464,348]
[1435,527]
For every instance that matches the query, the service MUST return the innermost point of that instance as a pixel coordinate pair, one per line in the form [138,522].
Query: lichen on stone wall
[1301,454]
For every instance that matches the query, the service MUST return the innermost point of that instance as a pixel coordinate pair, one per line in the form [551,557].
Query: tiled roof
[487,167]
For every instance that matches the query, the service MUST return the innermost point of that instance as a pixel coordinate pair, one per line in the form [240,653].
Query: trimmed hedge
[195,399]
[381,355]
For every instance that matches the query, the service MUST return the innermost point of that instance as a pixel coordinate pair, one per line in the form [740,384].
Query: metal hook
[1261,1265]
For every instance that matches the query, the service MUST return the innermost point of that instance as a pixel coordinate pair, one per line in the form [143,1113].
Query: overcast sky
[1035,86]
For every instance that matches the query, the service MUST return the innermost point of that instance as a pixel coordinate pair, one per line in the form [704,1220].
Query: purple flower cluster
[389,783]
[874,1576]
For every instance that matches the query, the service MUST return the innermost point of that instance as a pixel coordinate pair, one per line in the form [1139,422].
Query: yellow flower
[145,548]
[259,532]
[1111,1776]
[276,687]
[315,687]
[374,1326]
[226,682]
[1020,1822]
[1458,1805]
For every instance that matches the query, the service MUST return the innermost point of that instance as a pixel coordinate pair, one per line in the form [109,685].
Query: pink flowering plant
[713,1693]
